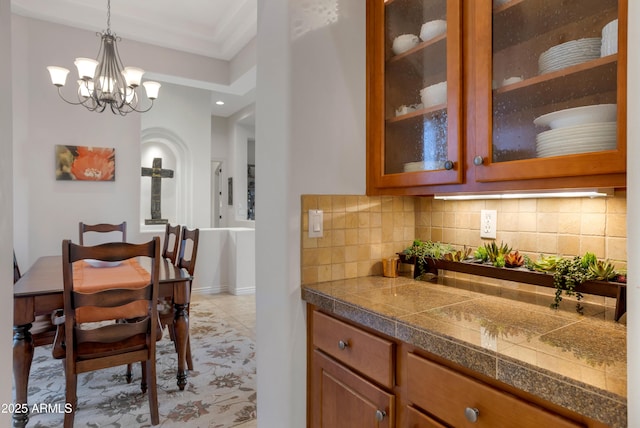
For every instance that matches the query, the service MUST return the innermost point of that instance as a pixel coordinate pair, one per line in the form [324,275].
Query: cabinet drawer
[446,394]
[368,354]
[417,419]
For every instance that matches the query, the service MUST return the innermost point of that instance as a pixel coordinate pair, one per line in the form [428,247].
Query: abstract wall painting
[85,163]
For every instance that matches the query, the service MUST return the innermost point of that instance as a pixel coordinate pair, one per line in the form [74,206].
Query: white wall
[241,129]
[6,195]
[633,211]
[310,138]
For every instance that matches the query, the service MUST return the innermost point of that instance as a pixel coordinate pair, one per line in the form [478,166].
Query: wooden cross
[157,174]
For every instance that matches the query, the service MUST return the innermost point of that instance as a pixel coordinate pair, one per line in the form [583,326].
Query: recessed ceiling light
[220,103]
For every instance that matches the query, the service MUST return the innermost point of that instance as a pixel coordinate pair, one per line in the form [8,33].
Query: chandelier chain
[108,16]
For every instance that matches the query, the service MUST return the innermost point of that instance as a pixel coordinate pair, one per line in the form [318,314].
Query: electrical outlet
[488,223]
[315,223]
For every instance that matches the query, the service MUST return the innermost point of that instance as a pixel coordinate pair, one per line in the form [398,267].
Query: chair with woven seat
[186,260]
[110,343]
[42,329]
[103,228]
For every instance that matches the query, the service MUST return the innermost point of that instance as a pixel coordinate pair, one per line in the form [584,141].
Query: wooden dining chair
[42,329]
[116,343]
[171,242]
[103,228]
[186,260]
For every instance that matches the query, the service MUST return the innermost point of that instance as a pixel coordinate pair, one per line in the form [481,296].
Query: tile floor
[240,311]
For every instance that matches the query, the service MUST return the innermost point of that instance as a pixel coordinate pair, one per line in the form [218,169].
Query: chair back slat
[189,240]
[103,228]
[171,242]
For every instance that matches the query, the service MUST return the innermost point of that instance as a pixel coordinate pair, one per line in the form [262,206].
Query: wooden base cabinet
[360,379]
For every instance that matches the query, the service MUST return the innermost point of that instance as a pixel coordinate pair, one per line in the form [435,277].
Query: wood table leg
[22,358]
[181,329]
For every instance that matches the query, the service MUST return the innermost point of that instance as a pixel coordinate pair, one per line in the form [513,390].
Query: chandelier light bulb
[152,89]
[86,67]
[133,76]
[58,75]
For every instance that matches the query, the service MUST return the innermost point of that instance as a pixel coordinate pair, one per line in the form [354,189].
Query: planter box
[616,290]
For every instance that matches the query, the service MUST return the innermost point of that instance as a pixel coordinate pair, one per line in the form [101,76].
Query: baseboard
[214,289]
[242,291]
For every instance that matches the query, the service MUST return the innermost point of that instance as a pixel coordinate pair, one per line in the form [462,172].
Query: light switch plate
[315,223]
[488,223]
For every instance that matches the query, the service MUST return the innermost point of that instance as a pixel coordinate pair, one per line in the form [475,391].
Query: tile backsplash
[361,230]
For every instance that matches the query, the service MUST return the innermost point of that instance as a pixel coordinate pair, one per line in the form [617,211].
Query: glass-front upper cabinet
[551,84]
[414,92]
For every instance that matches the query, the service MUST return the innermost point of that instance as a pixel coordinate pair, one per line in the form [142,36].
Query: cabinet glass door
[555,90]
[419,55]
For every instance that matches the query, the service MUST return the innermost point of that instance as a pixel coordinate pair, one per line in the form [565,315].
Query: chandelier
[104,82]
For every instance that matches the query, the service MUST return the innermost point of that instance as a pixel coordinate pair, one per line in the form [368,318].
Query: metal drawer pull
[343,345]
[472,414]
[380,415]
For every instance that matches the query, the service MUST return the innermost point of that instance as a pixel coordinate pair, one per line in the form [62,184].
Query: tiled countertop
[575,361]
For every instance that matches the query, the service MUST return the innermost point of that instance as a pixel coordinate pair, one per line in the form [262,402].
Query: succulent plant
[602,270]
[458,256]
[481,254]
[513,259]
[546,263]
[494,251]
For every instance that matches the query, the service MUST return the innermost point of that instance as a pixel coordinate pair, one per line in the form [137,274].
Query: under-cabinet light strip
[600,193]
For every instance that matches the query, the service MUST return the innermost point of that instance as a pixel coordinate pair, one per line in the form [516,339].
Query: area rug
[220,391]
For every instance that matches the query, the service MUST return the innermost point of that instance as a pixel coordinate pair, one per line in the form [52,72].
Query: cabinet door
[414,92]
[342,399]
[550,88]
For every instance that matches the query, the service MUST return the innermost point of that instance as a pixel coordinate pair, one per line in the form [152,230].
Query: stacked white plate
[423,166]
[570,53]
[585,138]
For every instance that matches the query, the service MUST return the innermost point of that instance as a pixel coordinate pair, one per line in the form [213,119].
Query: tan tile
[547,243]
[449,220]
[409,234]
[375,204]
[310,275]
[505,222]
[351,220]
[338,255]
[568,223]
[616,248]
[351,253]
[527,222]
[338,203]
[570,205]
[351,236]
[375,219]
[325,240]
[386,203]
[364,219]
[548,205]
[324,273]
[528,242]
[308,242]
[309,202]
[617,204]
[398,204]
[364,253]
[364,236]
[364,204]
[448,235]
[351,204]
[437,205]
[547,222]
[310,257]
[325,203]
[324,256]
[594,205]
[436,234]
[376,251]
[376,235]
[527,205]
[337,271]
[463,220]
[594,244]
[617,225]
[351,270]
[398,234]
[338,220]
[327,221]
[437,219]
[409,204]
[592,224]
[338,238]
[568,245]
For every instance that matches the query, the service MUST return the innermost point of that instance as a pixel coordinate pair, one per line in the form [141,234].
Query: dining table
[39,291]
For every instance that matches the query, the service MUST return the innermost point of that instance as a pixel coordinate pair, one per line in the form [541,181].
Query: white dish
[102,263]
[434,94]
[432,29]
[570,53]
[404,42]
[423,166]
[609,38]
[511,80]
[597,113]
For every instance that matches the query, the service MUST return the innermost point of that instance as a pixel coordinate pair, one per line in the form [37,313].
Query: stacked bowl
[577,130]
